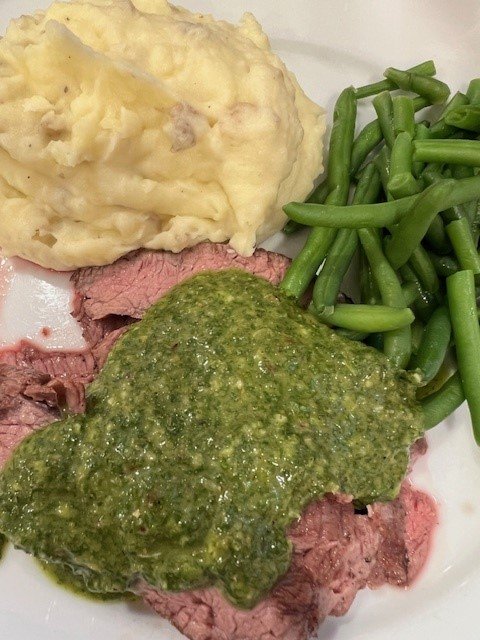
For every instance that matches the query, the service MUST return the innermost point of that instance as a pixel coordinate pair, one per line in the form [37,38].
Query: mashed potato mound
[126,125]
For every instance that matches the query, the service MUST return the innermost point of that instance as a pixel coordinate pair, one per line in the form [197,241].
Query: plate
[329,45]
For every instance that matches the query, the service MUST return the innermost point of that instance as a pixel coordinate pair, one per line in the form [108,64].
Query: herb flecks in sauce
[213,423]
[72,579]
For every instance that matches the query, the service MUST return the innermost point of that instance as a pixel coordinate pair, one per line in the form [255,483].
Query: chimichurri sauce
[71,579]
[215,420]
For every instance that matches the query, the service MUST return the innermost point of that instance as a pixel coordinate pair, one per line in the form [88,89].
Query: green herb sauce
[72,579]
[215,420]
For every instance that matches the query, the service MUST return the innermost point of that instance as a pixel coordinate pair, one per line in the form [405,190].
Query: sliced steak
[405,526]
[74,365]
[336,553]
[28,400]
[133,283]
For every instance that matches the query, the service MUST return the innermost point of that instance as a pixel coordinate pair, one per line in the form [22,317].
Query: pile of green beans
[404,195]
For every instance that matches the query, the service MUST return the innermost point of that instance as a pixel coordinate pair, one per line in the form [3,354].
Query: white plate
[329,44]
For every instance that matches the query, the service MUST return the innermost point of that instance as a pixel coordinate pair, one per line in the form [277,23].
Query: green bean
[446,371]
[434,345]
[304,267]
[426,302]
[341,140]
[417,334]
[371,136]
[367,318]
[339,257]
[460,235]
[384,109]
[351,335]
[401,182]
[369,292]
[355,216]
[441,129]
[432,173]
[318,196]
[439,405]
[435,173]
[423,267]
[425,69]
[473,91]
[465,152]
[397,344]
[368,186]
[403,115]
[463,314]
[329,280]
[422,132]
[432,89]
[382,162]
[469,209]
[412,228]
[437,237]
[366,141]
[467,117]
[444,265]
[410,293]
[291,227]
[425,305]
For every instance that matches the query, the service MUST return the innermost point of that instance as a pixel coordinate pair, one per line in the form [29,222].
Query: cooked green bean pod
[432,89]
[327,285]
[367,318]
[403,115]
[424,69]
[412,228]
[369,292]
[382,162]
[426,302]
[397,344]
[366,141]
[356,216]
[467,117]
[444,265]
[441,129]
[433,346]
[410,293]
[439,405]
[424,268]
[351,335]
[463,314]
[461,237]
[473,91]
[422,132]
[318,196]
[401,182]
[337,262]
[371,136]
[466,152]
[384,110]
[304,267]
[437,238]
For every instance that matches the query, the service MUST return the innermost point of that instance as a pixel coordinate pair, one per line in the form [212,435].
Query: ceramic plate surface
[329,44]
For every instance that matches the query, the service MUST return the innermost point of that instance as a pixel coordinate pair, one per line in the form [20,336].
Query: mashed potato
[126,125]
